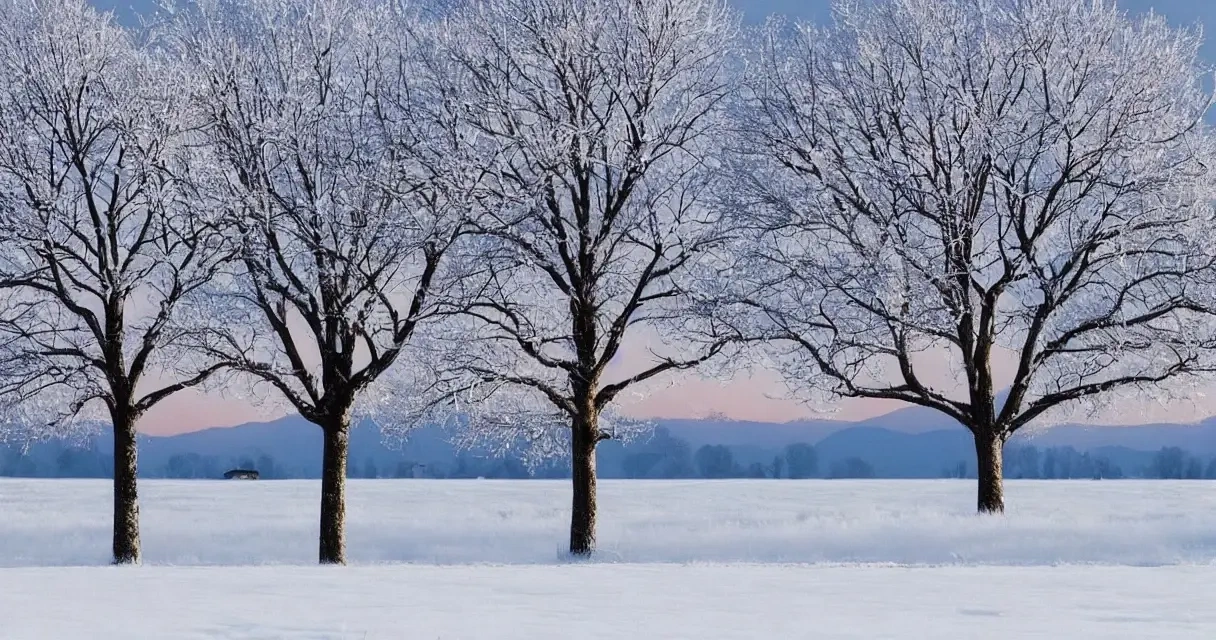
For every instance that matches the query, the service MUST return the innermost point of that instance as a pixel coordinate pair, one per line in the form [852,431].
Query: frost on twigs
[338,166]
[101,241]
[598,124]
[341,175]
[1001,210]
[498,422]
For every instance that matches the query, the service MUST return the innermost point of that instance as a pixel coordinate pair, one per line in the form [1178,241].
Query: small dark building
[241,474]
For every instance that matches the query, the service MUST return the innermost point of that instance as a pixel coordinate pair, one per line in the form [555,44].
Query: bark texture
[333,492]
[990,472]
[582,513]
[126,546]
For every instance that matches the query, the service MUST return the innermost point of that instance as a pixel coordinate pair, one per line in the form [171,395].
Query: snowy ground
[66,522]
[628,601]
[732,559]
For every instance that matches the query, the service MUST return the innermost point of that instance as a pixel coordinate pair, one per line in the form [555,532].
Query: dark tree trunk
[333,492]
[582,461]
[989,472]
[126,498]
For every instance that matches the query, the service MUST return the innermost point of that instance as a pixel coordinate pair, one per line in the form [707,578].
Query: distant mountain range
[910,443]
[1199,437]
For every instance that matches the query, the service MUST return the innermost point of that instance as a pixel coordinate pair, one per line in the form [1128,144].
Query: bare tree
[100,243]
[338,175]
[598,121]
[957,184]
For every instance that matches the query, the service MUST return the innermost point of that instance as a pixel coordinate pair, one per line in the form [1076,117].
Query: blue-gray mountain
[911,443]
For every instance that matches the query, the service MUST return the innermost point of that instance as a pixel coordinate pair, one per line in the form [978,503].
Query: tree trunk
[582,514]
[126,499]
[989,472]
[333,492]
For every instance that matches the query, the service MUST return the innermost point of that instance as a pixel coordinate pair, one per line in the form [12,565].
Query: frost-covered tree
[943,186]
[100,241]
[599,122]
[341,184]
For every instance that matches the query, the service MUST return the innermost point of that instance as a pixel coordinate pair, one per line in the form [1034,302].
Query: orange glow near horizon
[752,399]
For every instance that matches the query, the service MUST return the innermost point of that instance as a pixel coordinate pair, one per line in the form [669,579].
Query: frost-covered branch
[339,169]
[968,181]
[340,182]
[100,241]
[598,122]
[598,118]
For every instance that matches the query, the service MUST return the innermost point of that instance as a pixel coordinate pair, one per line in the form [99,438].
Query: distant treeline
[661,456]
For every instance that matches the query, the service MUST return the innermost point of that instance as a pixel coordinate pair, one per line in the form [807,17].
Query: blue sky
[1182,13]
[1179,12]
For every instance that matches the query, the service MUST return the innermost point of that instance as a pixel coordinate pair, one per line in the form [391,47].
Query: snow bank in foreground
[66,522]
[596,602]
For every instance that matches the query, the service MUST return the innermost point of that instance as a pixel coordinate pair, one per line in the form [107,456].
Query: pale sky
[759,397]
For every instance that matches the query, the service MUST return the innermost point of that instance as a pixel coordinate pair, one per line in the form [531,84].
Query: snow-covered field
[730,559]
[66,522]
